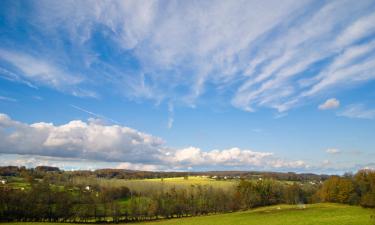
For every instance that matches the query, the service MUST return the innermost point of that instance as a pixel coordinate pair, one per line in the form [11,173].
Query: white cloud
[351,67]
[357,29]
[78,139]
[331,103]
[119,146]
[358,111]
[333,151]
[230,158]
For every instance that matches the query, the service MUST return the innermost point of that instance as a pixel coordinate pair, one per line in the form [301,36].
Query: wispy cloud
[252,53]
[4,98]
[7,75]
[277,81]
[170,116]
[38,70]
[358,111]
[34,71]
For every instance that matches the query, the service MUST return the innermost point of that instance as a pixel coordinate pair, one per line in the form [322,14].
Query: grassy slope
[317,214]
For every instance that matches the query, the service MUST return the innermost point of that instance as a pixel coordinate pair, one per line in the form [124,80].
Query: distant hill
[136,174]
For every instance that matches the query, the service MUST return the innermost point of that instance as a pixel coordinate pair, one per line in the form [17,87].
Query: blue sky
[188,85]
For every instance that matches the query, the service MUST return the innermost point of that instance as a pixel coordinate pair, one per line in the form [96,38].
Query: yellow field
[145,185]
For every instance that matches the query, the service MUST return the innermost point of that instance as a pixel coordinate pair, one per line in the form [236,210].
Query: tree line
[40,171]
[44,200]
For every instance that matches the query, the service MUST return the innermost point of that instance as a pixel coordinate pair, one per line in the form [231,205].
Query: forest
[48,194]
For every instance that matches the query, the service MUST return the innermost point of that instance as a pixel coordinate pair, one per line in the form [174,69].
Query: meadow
[310,214]
[313,214]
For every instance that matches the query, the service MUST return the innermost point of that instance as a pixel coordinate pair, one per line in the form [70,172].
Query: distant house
[3,181]
[87,188]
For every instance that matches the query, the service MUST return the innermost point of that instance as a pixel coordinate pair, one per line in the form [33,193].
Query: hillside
[314,214]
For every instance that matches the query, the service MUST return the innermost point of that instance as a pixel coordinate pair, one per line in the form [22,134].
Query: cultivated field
[315,214]
[146,185]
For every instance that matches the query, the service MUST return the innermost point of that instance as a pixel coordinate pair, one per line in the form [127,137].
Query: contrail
[96,115]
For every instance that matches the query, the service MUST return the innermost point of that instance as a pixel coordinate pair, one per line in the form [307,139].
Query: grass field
[316,214]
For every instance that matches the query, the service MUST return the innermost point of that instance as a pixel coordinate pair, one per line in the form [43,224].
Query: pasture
[314,214]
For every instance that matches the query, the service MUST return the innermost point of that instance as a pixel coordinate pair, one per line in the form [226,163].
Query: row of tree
[44,201]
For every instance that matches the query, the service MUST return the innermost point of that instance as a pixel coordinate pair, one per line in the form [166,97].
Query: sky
[188,85]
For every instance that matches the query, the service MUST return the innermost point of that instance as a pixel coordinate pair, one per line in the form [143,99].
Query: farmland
[51,195]
[144,185]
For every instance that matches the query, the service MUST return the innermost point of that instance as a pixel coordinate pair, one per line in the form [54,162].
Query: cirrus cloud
[358,111]
[254,54]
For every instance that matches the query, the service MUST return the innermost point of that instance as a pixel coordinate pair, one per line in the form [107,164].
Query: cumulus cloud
[228,157]
[358,111]
[333,151]
[78,139]
[331,103]
[119,146]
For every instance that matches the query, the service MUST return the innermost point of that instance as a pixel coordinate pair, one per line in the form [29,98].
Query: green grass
[316,214]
